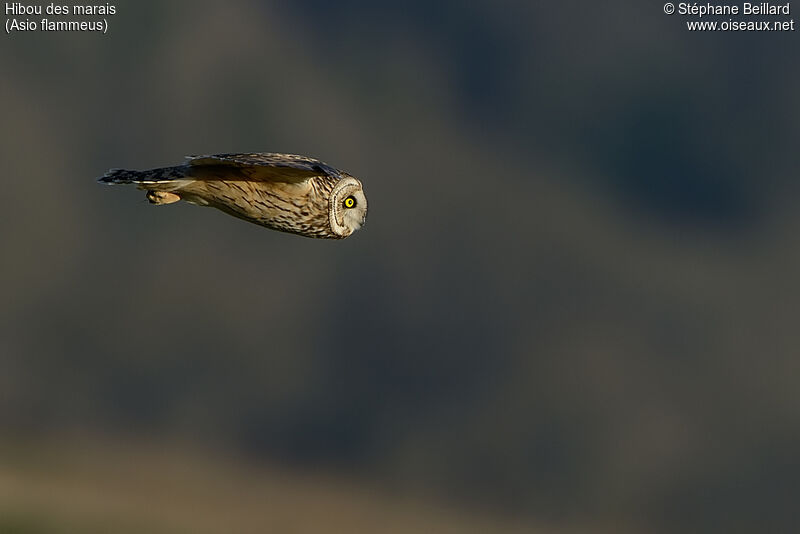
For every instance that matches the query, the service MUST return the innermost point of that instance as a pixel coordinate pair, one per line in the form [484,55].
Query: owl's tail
[145,178]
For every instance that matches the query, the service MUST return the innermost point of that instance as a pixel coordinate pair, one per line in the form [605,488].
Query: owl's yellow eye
[349,202]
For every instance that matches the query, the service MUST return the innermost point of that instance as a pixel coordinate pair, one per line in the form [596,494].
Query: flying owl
[284,192]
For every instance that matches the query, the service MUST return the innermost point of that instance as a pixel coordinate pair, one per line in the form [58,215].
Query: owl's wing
[261,167]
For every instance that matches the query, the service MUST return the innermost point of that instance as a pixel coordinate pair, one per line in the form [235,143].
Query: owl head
[348,206]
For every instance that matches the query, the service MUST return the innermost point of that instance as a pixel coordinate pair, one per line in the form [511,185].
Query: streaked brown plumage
[289,193]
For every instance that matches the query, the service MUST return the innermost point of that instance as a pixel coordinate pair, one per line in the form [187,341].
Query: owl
[283,192]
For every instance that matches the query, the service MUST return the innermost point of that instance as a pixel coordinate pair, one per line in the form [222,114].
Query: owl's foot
[162,197]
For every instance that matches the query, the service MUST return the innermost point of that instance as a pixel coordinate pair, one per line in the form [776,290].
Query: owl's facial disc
[348,207]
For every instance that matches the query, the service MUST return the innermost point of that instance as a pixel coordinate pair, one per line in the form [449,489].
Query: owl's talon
[162,197]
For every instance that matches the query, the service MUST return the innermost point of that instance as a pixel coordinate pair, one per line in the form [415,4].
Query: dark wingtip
[111,177]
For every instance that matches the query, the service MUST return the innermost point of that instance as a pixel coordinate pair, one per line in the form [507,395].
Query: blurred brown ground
[101,485]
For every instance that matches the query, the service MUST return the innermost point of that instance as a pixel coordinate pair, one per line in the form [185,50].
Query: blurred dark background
[574,304]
